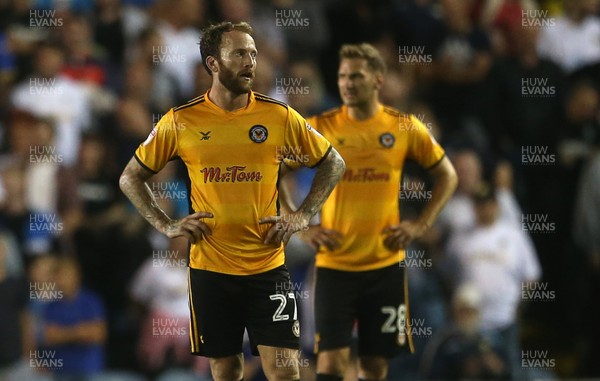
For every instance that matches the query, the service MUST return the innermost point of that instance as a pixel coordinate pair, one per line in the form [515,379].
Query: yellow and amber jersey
[366,200]
[233,162]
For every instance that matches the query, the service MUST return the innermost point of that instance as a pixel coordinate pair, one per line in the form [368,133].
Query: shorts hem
[287,345]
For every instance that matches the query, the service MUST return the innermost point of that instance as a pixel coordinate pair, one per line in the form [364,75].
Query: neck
[225,99]
[364,111]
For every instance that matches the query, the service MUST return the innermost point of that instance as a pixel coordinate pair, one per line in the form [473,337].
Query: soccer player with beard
[360,275]
[230,140]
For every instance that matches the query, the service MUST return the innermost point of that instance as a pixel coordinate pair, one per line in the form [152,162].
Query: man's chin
[351,102]
[240,89]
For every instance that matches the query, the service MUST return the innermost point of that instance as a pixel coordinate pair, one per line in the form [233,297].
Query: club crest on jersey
[296,328]
[258,133]
[387,140]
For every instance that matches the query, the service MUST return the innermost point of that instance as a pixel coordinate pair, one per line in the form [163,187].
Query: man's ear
[379,80]
[212,64]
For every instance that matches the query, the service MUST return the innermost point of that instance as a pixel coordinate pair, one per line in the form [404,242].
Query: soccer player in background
[229,140]
[361,239]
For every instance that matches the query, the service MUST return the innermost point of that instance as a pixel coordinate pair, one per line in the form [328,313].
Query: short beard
[232,82]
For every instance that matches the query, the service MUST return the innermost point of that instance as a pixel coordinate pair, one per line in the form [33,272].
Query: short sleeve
[422,147]
[160,146]
[301,137]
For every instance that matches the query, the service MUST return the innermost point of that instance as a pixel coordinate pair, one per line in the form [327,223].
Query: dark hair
[365,51]
[210,42]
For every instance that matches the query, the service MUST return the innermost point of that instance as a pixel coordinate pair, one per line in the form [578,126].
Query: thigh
[271,310]
[336,296]
[280,363]
[383,323]
[217,314]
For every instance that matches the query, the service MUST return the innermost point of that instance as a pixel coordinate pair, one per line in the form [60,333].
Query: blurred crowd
[511,88]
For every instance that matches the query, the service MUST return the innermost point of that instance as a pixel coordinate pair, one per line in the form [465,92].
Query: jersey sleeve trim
[436,163]
[143,165]
[322,158]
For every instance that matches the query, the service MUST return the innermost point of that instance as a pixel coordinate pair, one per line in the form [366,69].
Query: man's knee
[280,364]
[333,362]
[227,368]
[372,368]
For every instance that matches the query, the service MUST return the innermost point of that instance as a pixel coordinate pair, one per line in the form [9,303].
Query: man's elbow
[337,161]
[452,179]
[449,176]
[123,181]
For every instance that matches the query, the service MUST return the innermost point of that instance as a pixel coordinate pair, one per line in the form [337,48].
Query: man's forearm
[444,185]
[328,174]
[137,191]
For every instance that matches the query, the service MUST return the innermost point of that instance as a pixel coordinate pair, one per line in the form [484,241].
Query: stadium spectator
[459,215]
[573,42]
[49,94]
[497,258]
[462,59]
[75,326]
[45,185]
[458,351]
[16,335]
[177,22]
[160,288]
[530,91]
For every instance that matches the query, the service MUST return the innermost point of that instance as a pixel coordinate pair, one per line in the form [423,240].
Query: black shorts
[222,306]
[377,301]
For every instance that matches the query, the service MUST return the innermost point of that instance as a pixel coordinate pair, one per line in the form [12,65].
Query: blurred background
[88,291]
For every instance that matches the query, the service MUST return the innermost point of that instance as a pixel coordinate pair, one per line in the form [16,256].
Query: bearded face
[237,62]
[236,81]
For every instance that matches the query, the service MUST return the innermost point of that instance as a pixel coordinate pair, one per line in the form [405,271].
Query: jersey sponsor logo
[296,328]
[258,133]
[311,129]
[387,140]
[233,174]
[364,175]
[205,135]
[150,137]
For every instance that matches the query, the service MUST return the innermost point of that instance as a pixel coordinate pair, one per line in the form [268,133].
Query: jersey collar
[347,116]
[248,107]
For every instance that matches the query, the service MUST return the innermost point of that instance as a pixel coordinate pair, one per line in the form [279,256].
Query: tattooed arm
[329,172]
[133,184]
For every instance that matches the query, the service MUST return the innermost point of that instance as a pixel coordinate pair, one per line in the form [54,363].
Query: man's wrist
[163,224]
[423,225]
